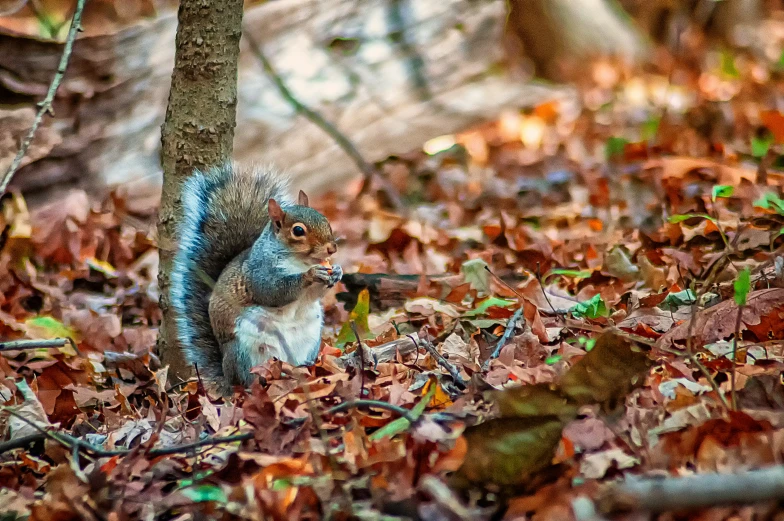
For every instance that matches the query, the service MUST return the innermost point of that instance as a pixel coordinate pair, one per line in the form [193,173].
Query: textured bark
[199,127]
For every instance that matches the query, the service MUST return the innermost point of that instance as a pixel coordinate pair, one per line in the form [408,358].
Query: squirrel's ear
[275,213]
[302,200]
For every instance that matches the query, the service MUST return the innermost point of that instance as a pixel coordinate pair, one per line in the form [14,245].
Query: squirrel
[249,272]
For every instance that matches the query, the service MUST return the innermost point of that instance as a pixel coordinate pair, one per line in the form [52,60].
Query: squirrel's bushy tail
[224,212]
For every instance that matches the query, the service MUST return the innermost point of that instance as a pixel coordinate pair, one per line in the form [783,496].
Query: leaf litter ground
[622,261]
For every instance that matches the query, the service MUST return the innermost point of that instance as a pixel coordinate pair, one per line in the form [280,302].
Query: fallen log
[389,74]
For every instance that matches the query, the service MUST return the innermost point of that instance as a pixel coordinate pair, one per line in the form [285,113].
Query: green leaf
[205,493]
[592,308]
[770,201]
[721,191]
[728,65]
[760,145]
[359,315]
[649,129]
[487,303]
[476,274]
[577,274]
[675,300]
[46,327]
[615,147]
[742,286]
[281,484]
[553,359]
[402,424]
[587,343]
[679,218]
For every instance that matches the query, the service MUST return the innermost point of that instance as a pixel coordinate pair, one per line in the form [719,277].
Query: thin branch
[446,364]
[46,104]
[701,490]
[693,359]
[361,356]
[510,327]
[502,281]
[541,286]
[400,411]
[367,169]
[69,442]
[314,117]
[22,442]
[19,345]
[357,404]
[734,399]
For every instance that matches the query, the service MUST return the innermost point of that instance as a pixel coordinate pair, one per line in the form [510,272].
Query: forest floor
[623,252]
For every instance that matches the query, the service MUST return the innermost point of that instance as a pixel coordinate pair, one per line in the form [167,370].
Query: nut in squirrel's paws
[335,276]
[320,274]
[326,273]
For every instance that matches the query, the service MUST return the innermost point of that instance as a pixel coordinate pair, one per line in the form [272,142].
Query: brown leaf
[607,373]
[508,452]
[764,306]
[534,401]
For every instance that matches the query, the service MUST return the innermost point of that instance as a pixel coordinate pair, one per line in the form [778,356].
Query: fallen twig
[733,396]
[361,358]
[701,490]
[22,442]
[19,345]
[400,411]
[69,442]
[46,104]
[510,327]
[446,364]
[388,352]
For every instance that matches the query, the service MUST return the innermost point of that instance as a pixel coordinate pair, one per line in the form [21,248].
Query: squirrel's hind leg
[237,364]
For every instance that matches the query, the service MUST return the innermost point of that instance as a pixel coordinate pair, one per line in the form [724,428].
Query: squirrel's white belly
[289,333]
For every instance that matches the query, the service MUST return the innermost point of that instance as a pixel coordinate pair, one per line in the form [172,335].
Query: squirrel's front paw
[320,274]
[337,274]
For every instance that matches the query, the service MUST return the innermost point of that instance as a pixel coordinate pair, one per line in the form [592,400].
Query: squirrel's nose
[331,248]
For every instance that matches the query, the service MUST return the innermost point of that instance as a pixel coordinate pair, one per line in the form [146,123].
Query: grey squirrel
[250,269]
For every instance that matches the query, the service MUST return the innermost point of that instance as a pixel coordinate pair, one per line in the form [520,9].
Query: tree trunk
[198,130]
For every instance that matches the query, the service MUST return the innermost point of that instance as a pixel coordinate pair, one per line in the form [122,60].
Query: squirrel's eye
[298,231]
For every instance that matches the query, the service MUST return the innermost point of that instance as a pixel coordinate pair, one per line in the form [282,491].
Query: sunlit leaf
[649,129]
[742,286]
[592,308]
[728,67]
[761,144]
[770,201]
[679,218]
[615,147]
[680,298]
[45,327]
[205,493]
[487,303]
[721,191]
[553,359]
[358,315]
[577,274]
